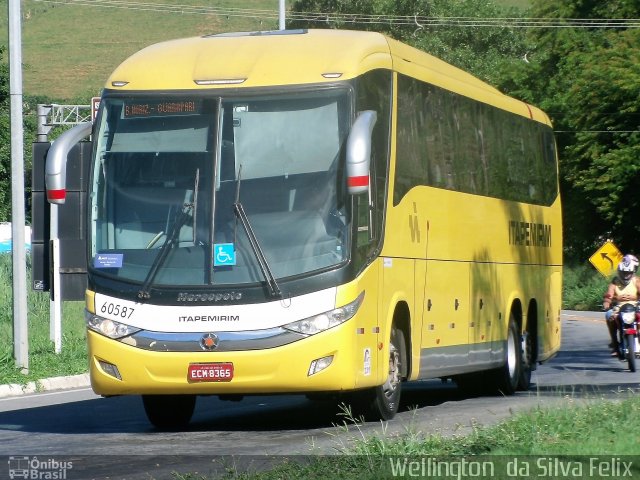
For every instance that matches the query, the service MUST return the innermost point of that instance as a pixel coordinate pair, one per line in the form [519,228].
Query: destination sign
[161,107]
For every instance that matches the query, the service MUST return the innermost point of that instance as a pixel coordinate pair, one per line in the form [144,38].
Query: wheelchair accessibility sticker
[224,255]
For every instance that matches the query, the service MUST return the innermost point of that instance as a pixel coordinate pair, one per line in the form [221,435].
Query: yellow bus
[315,212]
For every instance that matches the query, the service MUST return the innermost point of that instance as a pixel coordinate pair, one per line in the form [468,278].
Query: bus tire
[507,377]
[382,402]
[169,412]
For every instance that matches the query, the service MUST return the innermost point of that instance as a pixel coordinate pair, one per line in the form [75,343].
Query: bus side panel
[445,335]
[485,288]
[403,257]
[549,326]
[366,326]
[397,292]
[417,323]
[475,267]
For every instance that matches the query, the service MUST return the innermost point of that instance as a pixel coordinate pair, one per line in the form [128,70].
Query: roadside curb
[45,385]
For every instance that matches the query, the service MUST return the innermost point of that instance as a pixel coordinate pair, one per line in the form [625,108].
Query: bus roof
[293,57]
[258,59]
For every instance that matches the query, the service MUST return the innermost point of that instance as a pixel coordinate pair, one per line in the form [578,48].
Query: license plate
[210,372]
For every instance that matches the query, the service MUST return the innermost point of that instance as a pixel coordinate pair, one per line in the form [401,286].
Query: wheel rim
[393,379]
[512,354]
[527,350]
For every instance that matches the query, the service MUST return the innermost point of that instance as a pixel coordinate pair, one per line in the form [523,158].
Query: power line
[512,22]
[166,8]
[347,18]
[596,131]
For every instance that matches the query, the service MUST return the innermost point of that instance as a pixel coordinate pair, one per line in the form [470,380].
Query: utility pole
[20,326]
[281,15]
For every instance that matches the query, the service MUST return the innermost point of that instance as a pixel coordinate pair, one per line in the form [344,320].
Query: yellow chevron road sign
[606,259]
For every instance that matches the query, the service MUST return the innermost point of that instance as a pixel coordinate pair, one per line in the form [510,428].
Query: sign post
[606,258]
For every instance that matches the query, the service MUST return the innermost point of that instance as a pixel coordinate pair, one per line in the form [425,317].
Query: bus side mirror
[56,163]
[359,152]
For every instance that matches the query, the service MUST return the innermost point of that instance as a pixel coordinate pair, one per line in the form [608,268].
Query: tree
[5,142]
[482,50]
[603,159]
[589,81]
[29,122]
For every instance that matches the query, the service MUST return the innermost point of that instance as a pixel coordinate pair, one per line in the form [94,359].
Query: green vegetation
[486,51]
[70,49]
[583,288]
[573,429]
[43,361]
[588,80]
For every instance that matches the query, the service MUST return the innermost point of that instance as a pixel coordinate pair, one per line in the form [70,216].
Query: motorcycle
[628,329]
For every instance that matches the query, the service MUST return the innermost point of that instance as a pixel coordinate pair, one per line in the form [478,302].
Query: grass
[588,427]
[524,446]
[43,361]
[70,49]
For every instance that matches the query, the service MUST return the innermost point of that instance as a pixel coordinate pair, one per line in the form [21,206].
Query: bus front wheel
[381,402]
[169,412]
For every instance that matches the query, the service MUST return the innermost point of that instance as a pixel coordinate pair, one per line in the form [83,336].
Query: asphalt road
[111,438]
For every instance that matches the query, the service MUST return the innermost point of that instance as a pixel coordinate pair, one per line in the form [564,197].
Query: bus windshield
[170,172]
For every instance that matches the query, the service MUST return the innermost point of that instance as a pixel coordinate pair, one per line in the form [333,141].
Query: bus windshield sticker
[224,255]
[367,361]
[108,260]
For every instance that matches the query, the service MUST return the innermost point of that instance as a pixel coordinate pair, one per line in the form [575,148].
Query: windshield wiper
[238,209]
[171,240]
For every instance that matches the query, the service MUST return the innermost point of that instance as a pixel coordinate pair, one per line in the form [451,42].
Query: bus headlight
[327,320]
[107,327]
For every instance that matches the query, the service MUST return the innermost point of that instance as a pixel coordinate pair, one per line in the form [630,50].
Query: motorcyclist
[624,288]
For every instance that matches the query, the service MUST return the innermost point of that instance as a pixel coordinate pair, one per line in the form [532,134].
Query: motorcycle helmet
[627,268]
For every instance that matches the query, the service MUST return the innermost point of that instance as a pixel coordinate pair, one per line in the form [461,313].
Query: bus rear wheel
[169,412]
[507,378]
[527,361]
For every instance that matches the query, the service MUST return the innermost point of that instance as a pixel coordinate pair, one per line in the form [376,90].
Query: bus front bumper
[119,369]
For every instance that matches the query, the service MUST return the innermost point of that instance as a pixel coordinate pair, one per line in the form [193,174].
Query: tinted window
[449,141]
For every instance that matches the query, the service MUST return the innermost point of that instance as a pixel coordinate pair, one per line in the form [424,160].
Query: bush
[583,288]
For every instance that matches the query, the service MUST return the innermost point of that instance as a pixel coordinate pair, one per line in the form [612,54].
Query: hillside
[71,46]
